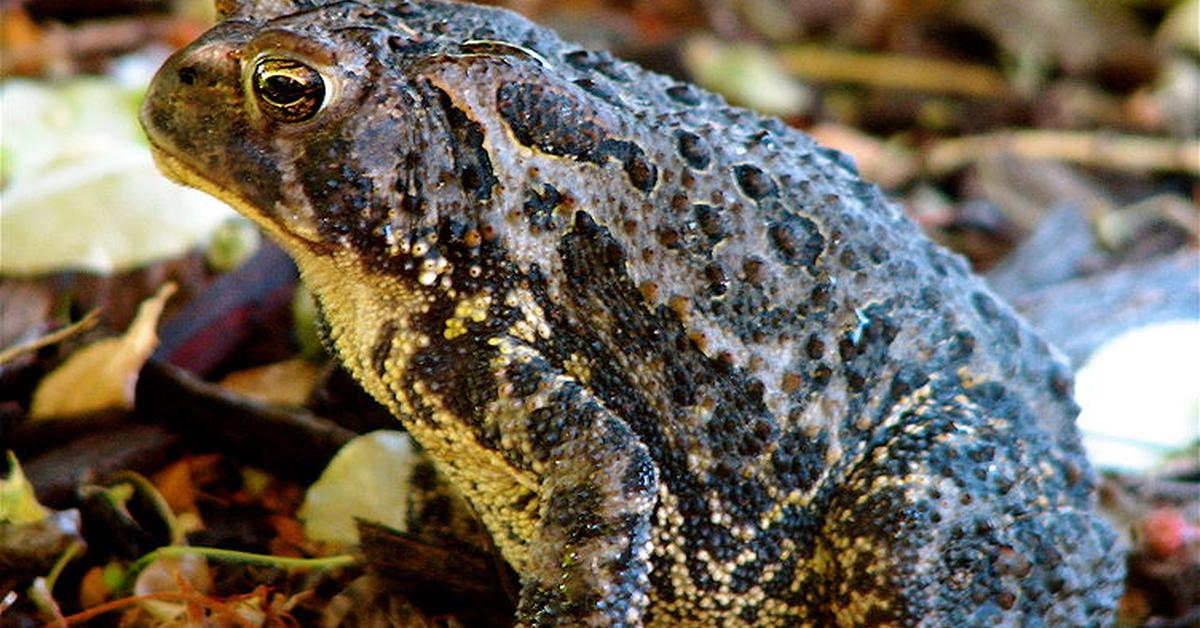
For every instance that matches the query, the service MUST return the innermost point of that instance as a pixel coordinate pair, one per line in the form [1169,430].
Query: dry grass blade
[923,74]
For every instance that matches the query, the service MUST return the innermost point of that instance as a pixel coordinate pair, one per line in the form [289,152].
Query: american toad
[684,363]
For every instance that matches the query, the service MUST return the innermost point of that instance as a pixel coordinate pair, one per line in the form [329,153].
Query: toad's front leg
[588,562]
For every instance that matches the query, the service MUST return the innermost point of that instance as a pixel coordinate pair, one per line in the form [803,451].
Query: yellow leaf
[102,376]
[18,504]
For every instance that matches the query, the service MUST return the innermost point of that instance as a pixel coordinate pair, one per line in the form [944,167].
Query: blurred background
[1054,143]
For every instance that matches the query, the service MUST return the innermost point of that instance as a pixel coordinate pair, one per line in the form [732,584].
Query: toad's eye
[288,90]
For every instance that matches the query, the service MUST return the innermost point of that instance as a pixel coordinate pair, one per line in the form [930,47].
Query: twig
[1130,153]
[291,442]
[87,322]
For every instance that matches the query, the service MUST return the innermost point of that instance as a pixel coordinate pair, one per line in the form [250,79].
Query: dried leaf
[96,587]
[102,376]
[286,383]
[174,483]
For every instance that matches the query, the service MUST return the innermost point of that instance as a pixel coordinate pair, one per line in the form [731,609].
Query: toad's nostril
[187,75]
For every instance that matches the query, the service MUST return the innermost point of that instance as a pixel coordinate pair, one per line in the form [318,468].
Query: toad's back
[682,361]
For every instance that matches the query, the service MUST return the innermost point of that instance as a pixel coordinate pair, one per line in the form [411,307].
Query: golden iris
[288,90]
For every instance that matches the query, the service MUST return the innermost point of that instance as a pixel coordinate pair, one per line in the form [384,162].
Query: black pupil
[285,89]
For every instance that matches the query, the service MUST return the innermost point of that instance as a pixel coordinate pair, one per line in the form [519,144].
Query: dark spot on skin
[685,94]
[797,240]
[762,139]
[815,348]
[668,237]
[821,375]
[409,185]
[711,221]
[613,255]
[470,157]
[679,203]
[878,254]
[558,124]
[754,182]
[1001,321]
[849,259]
[855,380]
[1060,382]
[842,159]
[602,62]
[692,149]
[986,306]
[718,279]
[550,121]
[598,90]
[383,347]
[424,477]
[908,379]
[437,511]
[821,294]
[642,174]
[585,224]
[962,345]
[406,46]
[755,270]
[687,179]
[540,205]
[929,299]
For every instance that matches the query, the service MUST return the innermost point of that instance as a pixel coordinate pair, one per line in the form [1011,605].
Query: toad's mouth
[179,171]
